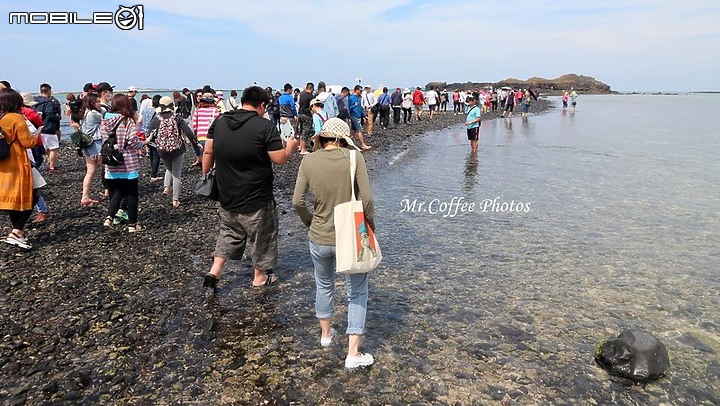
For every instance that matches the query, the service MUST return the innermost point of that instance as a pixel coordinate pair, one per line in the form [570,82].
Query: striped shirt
[201,120]
[127,141]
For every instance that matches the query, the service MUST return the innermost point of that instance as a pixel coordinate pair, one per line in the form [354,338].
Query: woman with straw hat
[326,174]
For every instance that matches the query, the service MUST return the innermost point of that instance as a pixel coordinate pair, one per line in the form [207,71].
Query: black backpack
[183,109]
[343,111]
[75,107]
[111,155]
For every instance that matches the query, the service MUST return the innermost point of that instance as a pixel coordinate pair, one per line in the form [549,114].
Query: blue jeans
[41,206]
[154,161]
[323,257]
[198,148]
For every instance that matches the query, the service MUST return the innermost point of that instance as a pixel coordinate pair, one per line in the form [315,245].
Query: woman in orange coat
[16,181]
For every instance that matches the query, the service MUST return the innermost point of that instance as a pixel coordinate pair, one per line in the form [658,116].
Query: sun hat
[165,104]
[220,95]
[207,98]
[338,129]
[27,99]
[316,101]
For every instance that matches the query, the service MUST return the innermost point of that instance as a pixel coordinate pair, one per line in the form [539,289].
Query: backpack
[110,154]
[343,111]
[320,116]
[75,107]
[168,138]
[183,109]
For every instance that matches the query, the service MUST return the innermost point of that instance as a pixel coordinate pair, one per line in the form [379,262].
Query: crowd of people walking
[240,142]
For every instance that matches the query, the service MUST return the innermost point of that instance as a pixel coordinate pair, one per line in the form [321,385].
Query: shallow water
[614,222]
[617,229]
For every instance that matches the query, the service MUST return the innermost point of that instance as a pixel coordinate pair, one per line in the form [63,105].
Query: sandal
[269,281]
[89,202]
[108,222]
[136,228]
[166,191]
[176,204]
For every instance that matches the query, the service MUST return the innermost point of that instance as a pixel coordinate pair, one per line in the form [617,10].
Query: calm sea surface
[617,227]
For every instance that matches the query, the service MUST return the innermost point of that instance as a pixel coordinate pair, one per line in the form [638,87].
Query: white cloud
[414,41]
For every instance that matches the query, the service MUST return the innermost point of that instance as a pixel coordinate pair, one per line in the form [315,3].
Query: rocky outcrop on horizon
[581,83]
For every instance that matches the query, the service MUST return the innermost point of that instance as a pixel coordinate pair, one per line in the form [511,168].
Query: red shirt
[418,97]
[34,118]
[202,119]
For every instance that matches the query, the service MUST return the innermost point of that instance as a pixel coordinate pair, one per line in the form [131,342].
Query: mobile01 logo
[125,18]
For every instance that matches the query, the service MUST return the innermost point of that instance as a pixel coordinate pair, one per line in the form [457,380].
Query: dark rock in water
[635,355]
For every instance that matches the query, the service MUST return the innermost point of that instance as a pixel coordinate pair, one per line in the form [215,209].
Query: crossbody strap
[2,133]
[1,130]
[353,165]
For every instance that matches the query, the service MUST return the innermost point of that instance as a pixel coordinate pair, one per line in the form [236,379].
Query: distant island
[581,83]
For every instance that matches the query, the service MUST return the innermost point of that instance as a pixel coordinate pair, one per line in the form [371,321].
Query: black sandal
[269,281]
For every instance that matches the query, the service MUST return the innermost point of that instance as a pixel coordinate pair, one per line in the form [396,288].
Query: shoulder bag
[356,248]
[206,186]
[79,138]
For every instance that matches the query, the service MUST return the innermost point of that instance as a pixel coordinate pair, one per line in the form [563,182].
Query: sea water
[564,229]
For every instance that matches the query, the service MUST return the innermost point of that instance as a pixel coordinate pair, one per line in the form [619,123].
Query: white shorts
[286,128]
[50,141]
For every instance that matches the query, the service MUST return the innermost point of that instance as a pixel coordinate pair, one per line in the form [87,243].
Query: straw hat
[27,99]
[166,103]
[338,129]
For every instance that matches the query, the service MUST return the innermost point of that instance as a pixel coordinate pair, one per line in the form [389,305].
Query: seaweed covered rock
[635,355]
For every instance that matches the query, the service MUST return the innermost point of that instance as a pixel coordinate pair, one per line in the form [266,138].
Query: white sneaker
[325,342]
[360,360]
[21,242]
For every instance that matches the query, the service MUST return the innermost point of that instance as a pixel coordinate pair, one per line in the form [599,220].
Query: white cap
[132,89]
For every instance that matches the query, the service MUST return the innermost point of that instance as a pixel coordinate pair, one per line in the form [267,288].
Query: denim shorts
[257,230]
[93,150]
[355,124]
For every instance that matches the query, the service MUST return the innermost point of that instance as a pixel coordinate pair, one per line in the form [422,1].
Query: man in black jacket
[396,100]
[243,146]
[49,109]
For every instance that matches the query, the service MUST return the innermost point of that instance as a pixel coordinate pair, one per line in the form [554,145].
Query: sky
[632,45]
